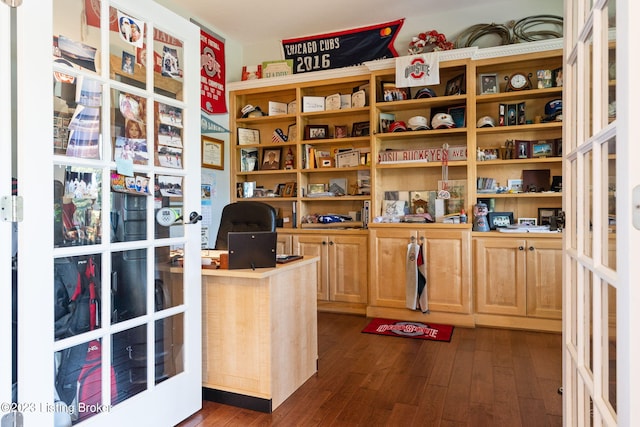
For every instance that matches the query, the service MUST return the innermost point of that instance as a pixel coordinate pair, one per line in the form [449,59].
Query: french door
[108,168]
[601,377]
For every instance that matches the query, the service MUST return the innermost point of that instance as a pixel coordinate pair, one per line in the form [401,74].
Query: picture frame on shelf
[292,133]
[557,77]
[489,84]
[385,121]
[360,129]
[316,131]
[458,114]
[522,149]
[212,153]
[341,131]
[515,185]
[248,136]
[545,214]
[392,93]
[271,159]
[455,86]
[248,159]
[289,189]
[499,219]
[315,188]
[542,148]
[528,221]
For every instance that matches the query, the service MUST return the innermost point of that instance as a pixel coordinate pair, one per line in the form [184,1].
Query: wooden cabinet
[518,281]
[284,244]
[448,257]
[342,274]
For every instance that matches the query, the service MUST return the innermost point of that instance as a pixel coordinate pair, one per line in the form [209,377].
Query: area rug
[398,328]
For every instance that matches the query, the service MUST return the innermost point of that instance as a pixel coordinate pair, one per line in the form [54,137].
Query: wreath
[429,42]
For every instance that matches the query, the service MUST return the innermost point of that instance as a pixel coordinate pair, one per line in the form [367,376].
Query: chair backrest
[245,216]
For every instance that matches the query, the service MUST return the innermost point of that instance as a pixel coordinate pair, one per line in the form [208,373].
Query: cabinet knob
[331,243]
[520,248]
[324,242]
[531,248]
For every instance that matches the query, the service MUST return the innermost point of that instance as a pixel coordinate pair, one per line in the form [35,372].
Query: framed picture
[212,153]
[270,159]
[557,77]
[458,114]
[455,86]
[499,219]
[489,83]
[392,93]
[360,129]
[289,189]
[528,221]
[315,188]
[340,131]
[543,148]
[128,60]
[248,136]
[522,149]
[316,131]
[385,121]
[515,185]
[545,214]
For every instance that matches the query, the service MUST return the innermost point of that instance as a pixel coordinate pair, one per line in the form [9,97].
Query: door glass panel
[168,71]
[169,203]
[129,360]
[127,48]
[573,205]
[129,284]
[588,86]
[587,209]
[129,131]
[77,202]
[574,303]
[611,63]
[570,115]
[168,122]
[169,284]
[128,212]
[587,320]
[76,116]
[609,197]
[609,388]
[170,347]
[76,34]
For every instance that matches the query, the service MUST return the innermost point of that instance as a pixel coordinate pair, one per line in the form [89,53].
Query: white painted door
[108,164]
[601,380]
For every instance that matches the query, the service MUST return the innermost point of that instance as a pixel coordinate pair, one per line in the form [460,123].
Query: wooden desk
[260,337]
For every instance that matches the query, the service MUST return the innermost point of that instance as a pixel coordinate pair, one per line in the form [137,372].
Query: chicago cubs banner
[342,48]
[418,70]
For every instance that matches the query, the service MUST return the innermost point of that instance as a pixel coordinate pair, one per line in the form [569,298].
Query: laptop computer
[252,249]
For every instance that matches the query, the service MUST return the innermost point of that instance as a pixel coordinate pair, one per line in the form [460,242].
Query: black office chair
[245,216]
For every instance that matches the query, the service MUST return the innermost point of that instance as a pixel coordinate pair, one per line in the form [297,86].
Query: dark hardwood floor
[483,377]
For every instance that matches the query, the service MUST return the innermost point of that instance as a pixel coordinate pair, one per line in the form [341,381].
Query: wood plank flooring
[483,377]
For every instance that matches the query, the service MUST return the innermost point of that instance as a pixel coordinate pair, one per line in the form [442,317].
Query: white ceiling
[250,22]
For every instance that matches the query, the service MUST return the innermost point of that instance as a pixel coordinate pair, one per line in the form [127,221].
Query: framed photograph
[270,159]
[248,136]
[489,83]
[392,93]
[543,148]
[128,59]
[522,149]
[325,162]
[316,131]
[545,214]
[499,219]
[289,189]
[385,121]
[360,129]
[515,185]
[212,153]
[315,188]
[455,86]
[557,77]
[341,131]
[528,221]
[458,114]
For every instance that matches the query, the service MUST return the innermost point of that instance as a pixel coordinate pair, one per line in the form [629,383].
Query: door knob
[194,217]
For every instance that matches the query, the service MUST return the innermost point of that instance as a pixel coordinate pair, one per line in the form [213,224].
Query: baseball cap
[442,120]
[425,92]
[553,110]
[251,111]
[486,121]
[418,123]
[398,126]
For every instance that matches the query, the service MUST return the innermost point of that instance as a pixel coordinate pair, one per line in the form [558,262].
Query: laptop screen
[252,249]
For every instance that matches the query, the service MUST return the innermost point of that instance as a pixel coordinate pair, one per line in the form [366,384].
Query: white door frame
[171,400]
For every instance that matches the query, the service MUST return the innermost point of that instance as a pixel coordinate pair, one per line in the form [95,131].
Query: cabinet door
[544,278]
[500,275]
[347,268]
[314,245]
[283,245]
[448,258]
[388,249]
